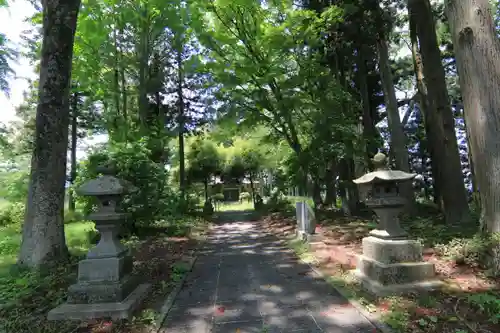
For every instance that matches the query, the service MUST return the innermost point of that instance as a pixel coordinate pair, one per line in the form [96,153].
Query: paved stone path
[247,281]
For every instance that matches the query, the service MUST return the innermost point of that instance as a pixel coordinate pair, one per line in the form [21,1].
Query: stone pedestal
[306,222]
[391,267]
[391,263]
[105,286]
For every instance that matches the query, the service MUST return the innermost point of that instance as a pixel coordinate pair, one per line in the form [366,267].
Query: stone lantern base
[105,289]
[392,267]
[115,310]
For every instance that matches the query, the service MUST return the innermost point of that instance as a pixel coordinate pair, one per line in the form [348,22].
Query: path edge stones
[169,301]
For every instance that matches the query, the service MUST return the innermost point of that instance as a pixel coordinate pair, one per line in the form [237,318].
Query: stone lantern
[391,263]
[105,286]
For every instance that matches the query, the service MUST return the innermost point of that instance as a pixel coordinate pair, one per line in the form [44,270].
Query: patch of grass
[179,226]
[235,206]
[10,241]
[77,237]
[25,297]
[302,250]
[3,203]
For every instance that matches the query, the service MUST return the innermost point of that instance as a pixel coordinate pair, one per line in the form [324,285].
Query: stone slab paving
[248,281]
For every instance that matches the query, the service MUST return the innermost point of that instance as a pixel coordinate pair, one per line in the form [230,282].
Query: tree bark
[43,240]
[398,138]
[205,183]
[423,99]
[331,186]
[349,194]
[143,58]
[181,122]
[252,188]
[369,129]
[316,193]
[74,139]
[116,90]
[477,51]
[440,117]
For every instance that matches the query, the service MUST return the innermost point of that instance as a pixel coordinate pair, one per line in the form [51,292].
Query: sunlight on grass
[302,251]
[10,241]
[77,236]
[3,203]
[235,206]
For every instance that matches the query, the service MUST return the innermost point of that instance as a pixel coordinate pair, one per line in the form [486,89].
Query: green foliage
[398,320]
[70,217]
[27,296]
[488,303]
[153,200]
[7,55]
[272,73]
[235,169]
[14,184]
[218,197]
[12,214]
[278,202]
[470,251]
[204,162]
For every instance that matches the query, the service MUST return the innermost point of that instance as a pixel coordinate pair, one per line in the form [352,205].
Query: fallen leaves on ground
[444,313]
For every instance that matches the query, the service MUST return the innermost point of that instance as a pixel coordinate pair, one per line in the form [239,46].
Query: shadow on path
[247,281]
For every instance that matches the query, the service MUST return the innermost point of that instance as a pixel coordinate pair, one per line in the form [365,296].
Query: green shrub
[12,214]
[488,303]
[218,197]
[470,251]
[178,226]
[153,199]
[14,185]
[75,216]
[278,202]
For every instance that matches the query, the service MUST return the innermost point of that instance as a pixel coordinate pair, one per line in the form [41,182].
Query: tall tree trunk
[116,133]
[205,183]
[440,116]
[143,54]
[398,138]
[43,240]
[124,93]
[316,193]
[74,138]
[423,101]
[331,188]
[348,190]
[252,188]
[477,50]
[475,189]
[349,194]
[181,121]
[369,130]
